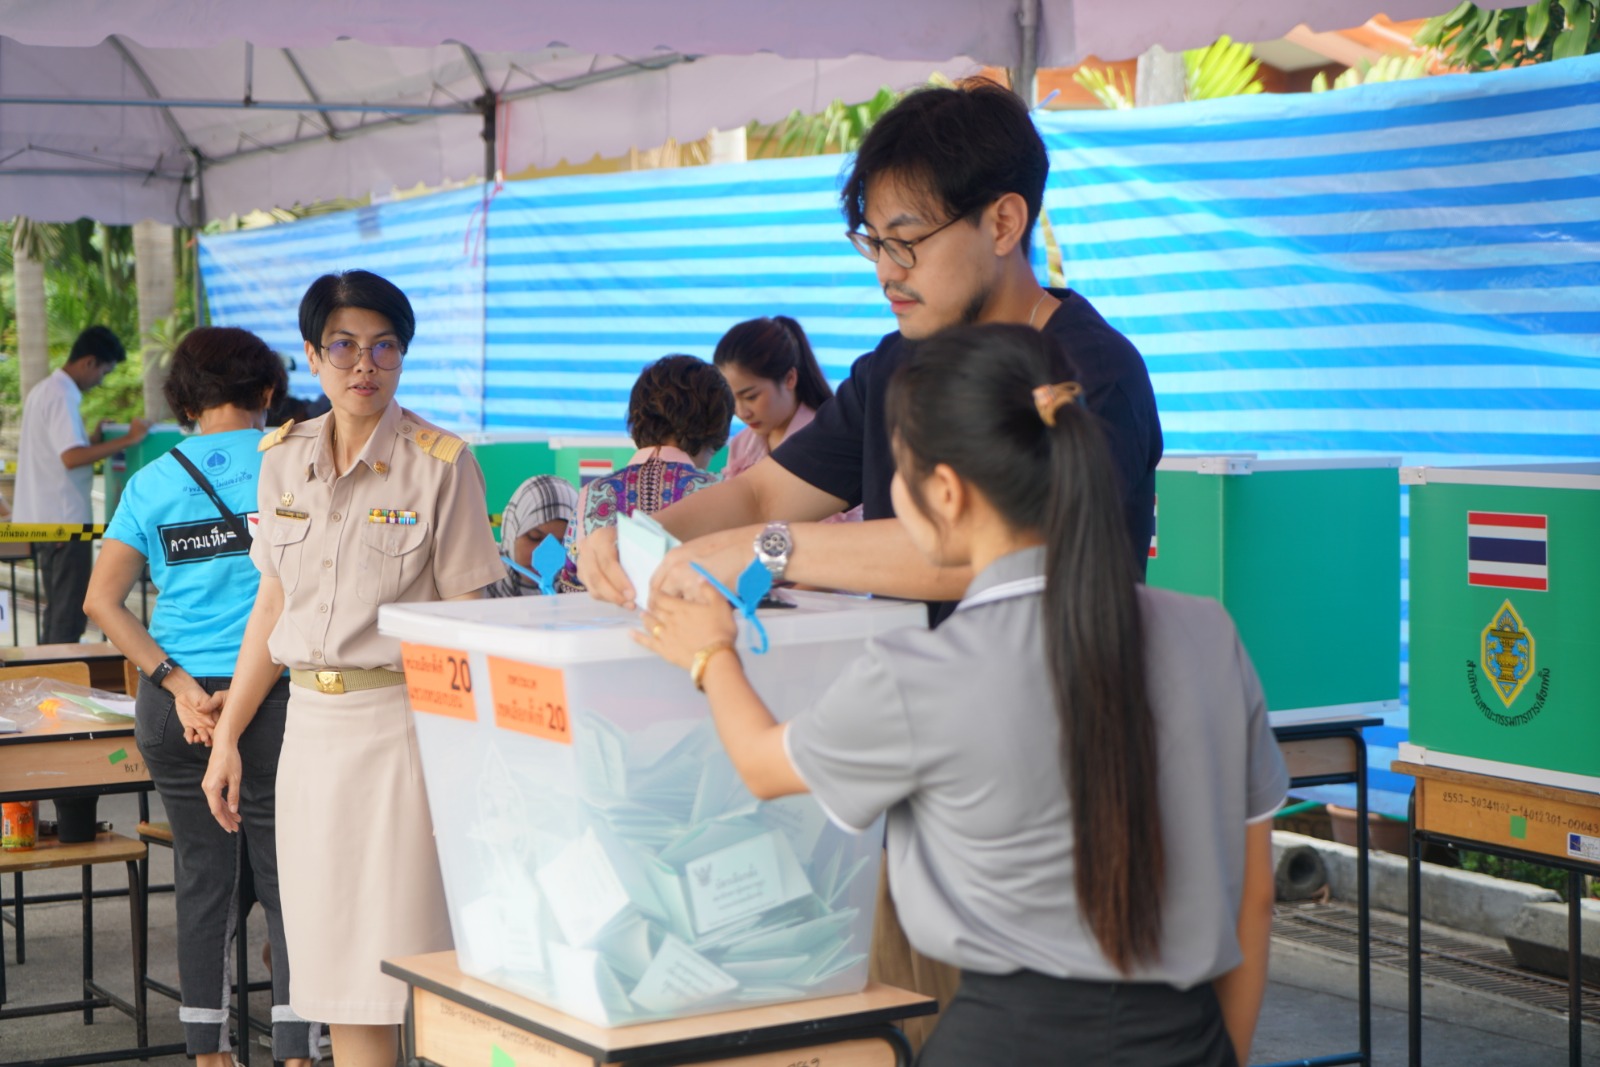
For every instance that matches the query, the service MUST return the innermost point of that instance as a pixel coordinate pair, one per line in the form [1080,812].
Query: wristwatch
[164,668]
[773,546]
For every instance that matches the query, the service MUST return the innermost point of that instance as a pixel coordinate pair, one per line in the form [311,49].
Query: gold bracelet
[697,669]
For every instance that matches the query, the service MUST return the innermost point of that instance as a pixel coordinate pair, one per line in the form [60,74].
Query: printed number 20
[460,675]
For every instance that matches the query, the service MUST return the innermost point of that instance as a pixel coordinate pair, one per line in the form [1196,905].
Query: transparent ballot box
[599,853]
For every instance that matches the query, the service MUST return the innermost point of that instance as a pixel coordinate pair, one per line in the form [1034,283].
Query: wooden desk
[453,1020]
[1333,752]
[66,758]
[105,662]
[1517,820]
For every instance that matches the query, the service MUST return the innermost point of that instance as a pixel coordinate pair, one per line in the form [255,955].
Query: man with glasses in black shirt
[943,196]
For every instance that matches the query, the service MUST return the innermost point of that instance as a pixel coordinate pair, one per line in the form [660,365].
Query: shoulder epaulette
[276,437]
[439,445]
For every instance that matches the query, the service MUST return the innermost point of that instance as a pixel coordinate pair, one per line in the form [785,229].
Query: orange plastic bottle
[19,822]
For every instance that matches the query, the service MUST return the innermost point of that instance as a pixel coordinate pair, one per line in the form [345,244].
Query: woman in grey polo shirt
[1078,770]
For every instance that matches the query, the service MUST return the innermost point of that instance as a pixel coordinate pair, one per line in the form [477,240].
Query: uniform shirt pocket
[288,546]
[392,558]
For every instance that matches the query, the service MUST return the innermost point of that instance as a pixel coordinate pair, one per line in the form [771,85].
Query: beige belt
[346,681]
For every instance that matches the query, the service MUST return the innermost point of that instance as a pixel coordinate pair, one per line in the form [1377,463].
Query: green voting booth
[1305,555]
[508,460]
[1505,621]
[125,464]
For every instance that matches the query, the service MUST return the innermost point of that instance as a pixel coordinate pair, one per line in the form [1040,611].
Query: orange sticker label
[530,700]
[439,680]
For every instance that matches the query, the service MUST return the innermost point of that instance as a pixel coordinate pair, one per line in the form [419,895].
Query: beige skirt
[357,869]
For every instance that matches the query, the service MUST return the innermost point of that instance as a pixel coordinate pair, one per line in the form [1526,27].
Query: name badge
[285,513]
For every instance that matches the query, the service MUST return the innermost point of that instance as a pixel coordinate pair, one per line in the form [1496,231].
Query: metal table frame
[1333,734]
[1575,869]
[138,1009]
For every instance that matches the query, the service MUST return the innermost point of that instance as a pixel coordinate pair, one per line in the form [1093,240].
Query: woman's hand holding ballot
[725,554]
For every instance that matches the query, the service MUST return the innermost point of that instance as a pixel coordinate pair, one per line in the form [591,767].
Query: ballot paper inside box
[617,869]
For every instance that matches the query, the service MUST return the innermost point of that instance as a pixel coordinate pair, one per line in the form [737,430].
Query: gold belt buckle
[330,681]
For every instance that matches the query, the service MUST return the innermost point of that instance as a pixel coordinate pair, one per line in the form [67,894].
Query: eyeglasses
[344,355]
[901,253]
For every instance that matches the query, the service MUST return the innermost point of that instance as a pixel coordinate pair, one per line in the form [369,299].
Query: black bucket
[75,819]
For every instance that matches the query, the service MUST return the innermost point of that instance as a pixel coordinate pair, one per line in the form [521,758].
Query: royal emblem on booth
[1508,653]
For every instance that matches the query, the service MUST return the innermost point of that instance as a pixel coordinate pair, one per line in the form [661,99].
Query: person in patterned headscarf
[541,507]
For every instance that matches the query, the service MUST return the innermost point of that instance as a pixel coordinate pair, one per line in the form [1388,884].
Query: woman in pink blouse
[777,387]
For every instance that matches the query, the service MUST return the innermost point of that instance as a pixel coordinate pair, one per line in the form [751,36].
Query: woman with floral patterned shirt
[679,414]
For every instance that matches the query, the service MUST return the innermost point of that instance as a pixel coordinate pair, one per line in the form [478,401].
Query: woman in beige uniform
[367,505]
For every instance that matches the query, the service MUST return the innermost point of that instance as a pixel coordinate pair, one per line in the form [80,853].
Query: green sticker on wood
[118,756]
[498,1058]
[1519,827]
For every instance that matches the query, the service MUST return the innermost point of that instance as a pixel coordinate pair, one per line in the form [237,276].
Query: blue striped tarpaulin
[591,278]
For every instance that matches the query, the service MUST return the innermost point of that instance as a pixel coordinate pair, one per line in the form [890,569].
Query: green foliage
[840,127]
[89,279]
[1519,871]
[1386,69]
[1474,39]
[1111,87]
[1224,68]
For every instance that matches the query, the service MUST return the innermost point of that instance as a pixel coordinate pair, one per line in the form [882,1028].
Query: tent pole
[1028,62]
[487,103]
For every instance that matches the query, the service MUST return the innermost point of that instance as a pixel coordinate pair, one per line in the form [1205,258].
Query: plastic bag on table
[27,702]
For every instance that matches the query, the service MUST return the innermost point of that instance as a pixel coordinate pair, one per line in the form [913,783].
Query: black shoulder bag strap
[235,523]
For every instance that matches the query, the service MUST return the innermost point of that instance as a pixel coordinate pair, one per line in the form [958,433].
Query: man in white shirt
[55,472]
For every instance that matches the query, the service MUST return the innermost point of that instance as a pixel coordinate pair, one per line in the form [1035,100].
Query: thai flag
[1508,551]
[590,469]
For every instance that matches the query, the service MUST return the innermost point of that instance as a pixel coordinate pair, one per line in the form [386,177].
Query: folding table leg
[88,941]
[2,963]
[139,917]
[16,912]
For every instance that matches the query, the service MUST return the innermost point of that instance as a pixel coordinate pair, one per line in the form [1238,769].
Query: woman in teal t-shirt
[222,381]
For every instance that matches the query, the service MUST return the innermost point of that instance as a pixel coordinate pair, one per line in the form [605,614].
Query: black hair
[964,399]
[356,289]
[216,365]
[961,148]
[101,343]
[771,348]
[682,401]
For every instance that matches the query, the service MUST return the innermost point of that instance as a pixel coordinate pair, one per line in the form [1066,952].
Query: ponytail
[771,348]
[970,398]
[1096,641]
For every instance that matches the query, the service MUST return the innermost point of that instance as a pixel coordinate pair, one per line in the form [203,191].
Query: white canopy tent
[182,110]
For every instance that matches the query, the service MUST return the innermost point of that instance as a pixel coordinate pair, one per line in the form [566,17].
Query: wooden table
[105,662]
[1518,820]
[1333,751]
[66,758]
[453,1020]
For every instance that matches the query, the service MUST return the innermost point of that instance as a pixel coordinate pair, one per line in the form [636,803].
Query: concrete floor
[1309,1010]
